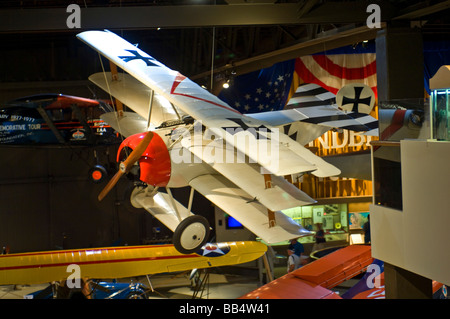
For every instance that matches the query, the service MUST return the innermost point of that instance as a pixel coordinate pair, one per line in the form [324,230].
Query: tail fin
[320,107]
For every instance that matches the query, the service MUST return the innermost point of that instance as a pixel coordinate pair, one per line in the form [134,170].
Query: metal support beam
[182,16]
[142,17]
[340,39]
[399,63]
[407,13]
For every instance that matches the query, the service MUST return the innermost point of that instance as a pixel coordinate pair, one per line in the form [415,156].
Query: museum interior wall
[416,237]
[49,202]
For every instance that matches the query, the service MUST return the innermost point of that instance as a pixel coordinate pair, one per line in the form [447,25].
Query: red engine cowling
[155,166]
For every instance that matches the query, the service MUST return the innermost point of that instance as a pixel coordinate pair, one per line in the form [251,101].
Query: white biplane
[182,135]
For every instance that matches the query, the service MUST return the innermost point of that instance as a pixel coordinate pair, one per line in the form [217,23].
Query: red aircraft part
[65,101]
[155,167]
[314,280]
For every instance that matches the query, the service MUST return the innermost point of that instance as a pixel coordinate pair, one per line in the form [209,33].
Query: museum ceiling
[198,36]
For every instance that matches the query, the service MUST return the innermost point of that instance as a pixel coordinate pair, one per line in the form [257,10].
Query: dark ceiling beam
[143,17]
[337,12]
[411,14]
[321,44]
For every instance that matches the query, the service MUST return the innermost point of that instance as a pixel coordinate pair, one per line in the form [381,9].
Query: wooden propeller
[126,165]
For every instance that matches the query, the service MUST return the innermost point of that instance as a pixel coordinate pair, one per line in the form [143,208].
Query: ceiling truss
[221,36]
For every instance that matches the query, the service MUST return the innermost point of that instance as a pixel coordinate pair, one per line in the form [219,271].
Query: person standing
[293,260]
[366,229]
[297,247]
[319,236]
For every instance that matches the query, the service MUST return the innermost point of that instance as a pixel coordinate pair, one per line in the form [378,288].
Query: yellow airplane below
[120,262]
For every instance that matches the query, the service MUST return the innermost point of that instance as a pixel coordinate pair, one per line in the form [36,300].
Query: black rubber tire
[99,172]
[198,238]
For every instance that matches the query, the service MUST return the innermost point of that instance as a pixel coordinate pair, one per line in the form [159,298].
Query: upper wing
[127,124]
[172,85]
[138,96]
[213,113]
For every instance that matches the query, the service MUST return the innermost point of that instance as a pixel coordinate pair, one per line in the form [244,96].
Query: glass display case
[440,114]
[333,219]
[440,104]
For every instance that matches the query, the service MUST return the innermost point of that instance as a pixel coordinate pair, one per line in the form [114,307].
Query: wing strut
[191,198]
[152,93]
[115,77]
[268,184]
[50,124]
[169,192]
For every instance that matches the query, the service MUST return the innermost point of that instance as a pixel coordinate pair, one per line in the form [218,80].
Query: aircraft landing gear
[97,174]
[131,193]
[136,189]
[191,234]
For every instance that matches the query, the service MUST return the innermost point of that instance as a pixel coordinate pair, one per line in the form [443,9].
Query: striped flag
[334,71]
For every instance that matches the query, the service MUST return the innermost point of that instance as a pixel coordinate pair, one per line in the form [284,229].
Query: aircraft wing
[205,107]
[127,124]
[137,96]
[314,280]
[250,213]
[279,194]
[120,262]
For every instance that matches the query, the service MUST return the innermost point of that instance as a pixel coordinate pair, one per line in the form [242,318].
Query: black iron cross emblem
[245,127]
[137,56]
[357,100]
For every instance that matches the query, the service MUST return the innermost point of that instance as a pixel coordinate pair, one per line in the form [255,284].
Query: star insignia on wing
[212,249]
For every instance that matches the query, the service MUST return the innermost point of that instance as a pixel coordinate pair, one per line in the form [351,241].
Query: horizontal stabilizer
[319,107]
[254,216]
[315,105]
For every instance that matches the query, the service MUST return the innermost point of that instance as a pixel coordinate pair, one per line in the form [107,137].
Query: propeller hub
[154,161]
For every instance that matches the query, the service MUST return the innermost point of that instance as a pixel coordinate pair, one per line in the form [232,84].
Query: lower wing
[251,214]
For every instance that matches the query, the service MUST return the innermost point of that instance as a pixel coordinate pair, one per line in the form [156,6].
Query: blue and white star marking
[214,250]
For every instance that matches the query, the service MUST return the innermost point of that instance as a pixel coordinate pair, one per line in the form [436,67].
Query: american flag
[333,70]
[260,91]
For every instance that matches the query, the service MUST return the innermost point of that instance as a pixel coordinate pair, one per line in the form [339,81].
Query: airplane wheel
[97,174]
[191,234]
